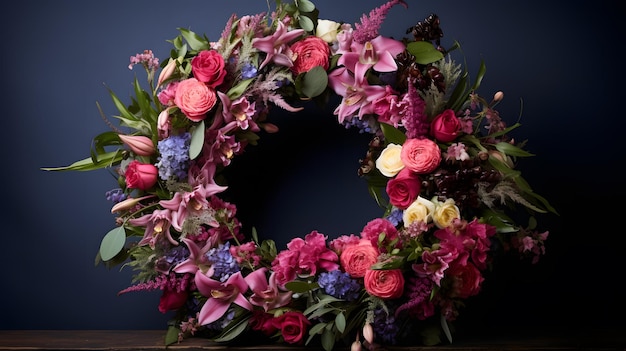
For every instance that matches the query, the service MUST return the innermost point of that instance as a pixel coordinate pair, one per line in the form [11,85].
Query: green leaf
[512,150]
[171,337]
[479,76]
[300,286]
[317,328]
[314,82]
[195,41]
[320,312]
[424,52]
[197,140]
[459,94]
[88,164]
[305,6]
[112,243]
[392,135]
[340,322]
[239,89]
[232,331]
[446,329]
[306,23]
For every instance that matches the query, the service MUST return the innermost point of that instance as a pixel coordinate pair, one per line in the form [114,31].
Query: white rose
[445,213]
[389,162]
[420,210]
[327,30]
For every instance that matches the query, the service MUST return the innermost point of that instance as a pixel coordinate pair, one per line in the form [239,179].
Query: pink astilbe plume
[368,28]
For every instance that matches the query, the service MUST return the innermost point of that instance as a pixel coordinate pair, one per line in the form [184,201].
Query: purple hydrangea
[385,327]
[116,195]
[395,216]
[223,262]
[339,284]
[174,159]
[248,71]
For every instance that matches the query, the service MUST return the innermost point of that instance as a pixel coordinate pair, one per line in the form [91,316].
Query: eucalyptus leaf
[305,6]
[424,51]
[340,322]
[197,140]
[233,331]
[112,243]
[171,337]
[314,82]
[328,340]
[306,23]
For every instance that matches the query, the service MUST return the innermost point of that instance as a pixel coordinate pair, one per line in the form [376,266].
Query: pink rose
[357,259]
[172,300]
[208,67]
[194,98]
[308,53]
[446,126]
[404,188]
[141,175]
[384,283]
[293,326]
[420,155]
[466,280]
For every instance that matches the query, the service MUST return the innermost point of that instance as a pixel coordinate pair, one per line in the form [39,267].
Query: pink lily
[379,54]
[358,95]
[193,202]
[220,296]
[277,45]
[266,293]
[197,259]
[157,223]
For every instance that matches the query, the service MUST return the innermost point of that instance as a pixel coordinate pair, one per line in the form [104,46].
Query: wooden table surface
[150,340]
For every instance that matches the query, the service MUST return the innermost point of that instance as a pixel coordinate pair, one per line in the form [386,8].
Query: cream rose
[389,162]
[420,210]
[445,212]
[327,30]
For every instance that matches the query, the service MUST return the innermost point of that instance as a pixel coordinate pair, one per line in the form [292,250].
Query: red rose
[384,283]
[466,280]
[194,98]
[172,300]
[403,189]
[420,155]
[445,127]
[357,259]
[141,175]
[308,53]
[208,67]
[293,326]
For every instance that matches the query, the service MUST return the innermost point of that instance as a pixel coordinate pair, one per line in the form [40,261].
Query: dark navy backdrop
[59,58]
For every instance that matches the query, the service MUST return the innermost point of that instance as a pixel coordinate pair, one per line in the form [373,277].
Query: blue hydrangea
[363,125]
[339,284]
[174,157]
[224,264]
[395,216]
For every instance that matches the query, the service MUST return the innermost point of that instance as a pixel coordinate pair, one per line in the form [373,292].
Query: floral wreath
[440,164]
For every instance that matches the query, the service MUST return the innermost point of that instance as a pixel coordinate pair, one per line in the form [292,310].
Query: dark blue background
[59,57]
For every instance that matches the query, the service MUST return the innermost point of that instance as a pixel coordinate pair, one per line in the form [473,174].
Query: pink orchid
[157,223]
[435,264]
[358,95]
[220,296]
[379,54]
[266,293]
[197,259]
[276,46]
[240,111]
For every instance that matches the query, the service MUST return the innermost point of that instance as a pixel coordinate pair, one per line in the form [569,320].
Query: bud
[498,96]
[166,72]
[139,144]
[356,346]
[368,333]
[128,203]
